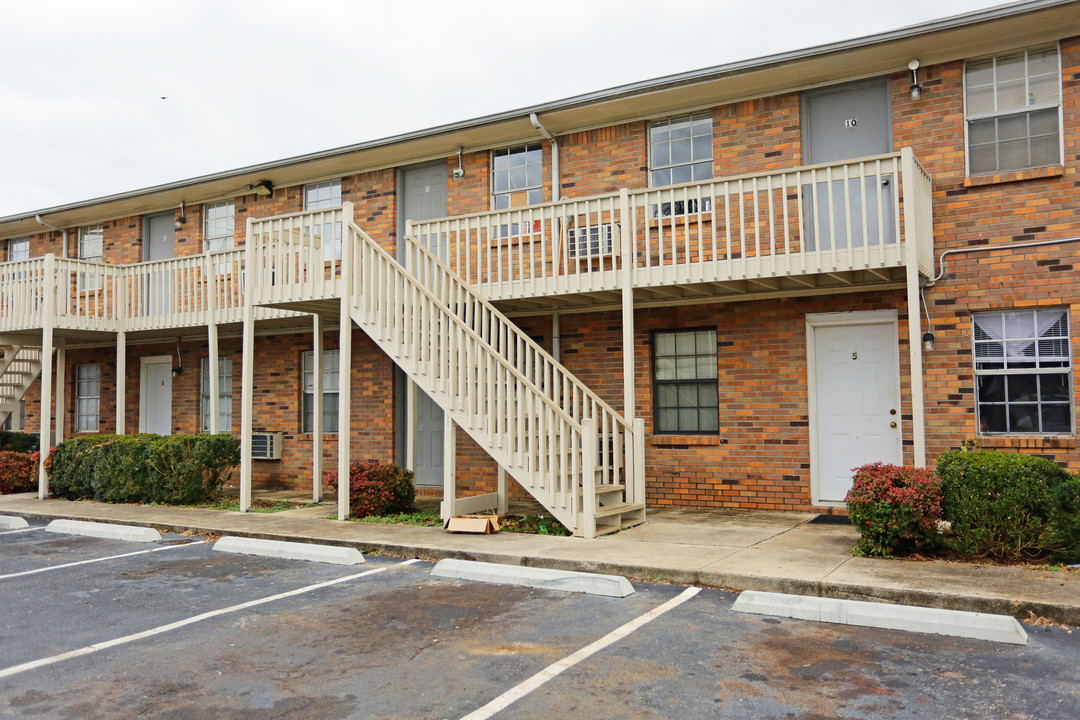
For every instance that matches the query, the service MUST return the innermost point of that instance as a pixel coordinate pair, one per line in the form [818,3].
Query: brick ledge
[1016,176]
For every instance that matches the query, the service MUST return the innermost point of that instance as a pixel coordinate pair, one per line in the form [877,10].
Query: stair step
[609,487]
[617,509]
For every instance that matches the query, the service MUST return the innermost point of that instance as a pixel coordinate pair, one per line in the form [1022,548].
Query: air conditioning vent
[266,446]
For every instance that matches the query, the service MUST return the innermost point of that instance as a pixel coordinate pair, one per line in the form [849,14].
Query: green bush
[377,489]
[174,470]
[1063,536]
[20,442]
[18,471]
[1002,504]
[895,509]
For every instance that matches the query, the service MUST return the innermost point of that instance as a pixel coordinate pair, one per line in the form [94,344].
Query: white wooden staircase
[558,439]
[20,366]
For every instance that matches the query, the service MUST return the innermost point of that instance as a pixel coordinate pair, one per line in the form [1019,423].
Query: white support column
[121,382]
[449,467]
[556,336]
[45,427]
[247,381]
[317,407]
[503,492]
[638,496]
[627,274]
[411,434]
[61,387]
[344,398]
[589,461]
[215,389]
[914,307]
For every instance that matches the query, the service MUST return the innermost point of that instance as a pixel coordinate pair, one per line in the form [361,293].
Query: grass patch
[534,524]
[231,503]
[420,518]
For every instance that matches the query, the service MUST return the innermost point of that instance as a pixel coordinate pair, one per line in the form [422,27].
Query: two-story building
[724,288]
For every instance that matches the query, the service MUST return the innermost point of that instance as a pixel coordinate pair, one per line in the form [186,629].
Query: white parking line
[551,671]
[16,669]
[8,532]
[95,560]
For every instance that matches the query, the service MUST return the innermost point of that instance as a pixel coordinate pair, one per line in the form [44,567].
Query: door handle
[892,424]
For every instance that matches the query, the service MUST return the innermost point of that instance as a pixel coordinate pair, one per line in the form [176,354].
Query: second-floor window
[325,196]
[517,177]
[91,242]
[1013,108]
[18,249]
[219,225]
[681,151]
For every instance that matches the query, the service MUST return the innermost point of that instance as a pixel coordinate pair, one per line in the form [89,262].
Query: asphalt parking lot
[94,628]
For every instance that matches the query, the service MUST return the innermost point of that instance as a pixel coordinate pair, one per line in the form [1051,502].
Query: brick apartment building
[724,288]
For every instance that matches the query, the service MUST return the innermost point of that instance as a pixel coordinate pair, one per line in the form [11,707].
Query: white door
[155,401]
[429,441]
[856,418]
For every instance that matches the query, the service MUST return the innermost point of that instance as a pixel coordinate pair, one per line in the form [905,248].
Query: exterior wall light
[916,88]
[928,341]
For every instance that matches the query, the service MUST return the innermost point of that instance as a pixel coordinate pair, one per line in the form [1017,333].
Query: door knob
[892,424]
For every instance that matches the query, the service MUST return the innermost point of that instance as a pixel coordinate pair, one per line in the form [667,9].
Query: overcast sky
[250,81]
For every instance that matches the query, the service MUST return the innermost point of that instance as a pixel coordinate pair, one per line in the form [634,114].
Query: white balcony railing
[815,219]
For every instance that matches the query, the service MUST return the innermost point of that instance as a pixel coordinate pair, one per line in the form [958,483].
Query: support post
[412,402]
[121,382]
[45,427]
[61,387]
[627,274]
[317,407]
[449,467]
[212,369]
[589,459]
[247,382]
[914,304]
[345,368]
[639,461]
[503,492]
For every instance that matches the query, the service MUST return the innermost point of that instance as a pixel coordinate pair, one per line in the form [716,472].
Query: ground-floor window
[87,398]
[1023,371]
[330,391]
[224,403]
[685,395]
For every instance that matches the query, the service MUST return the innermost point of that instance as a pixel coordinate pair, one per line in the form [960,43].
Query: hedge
[895,509]
[376,489]
[20,442]
[173,470]
[18,471]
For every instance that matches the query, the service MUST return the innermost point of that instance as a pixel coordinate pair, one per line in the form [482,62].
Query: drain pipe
[63,234]
[555,190]
[977,248]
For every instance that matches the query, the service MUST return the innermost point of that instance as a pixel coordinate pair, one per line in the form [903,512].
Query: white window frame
[1050,318]
[91,280]
[331,374]
[18,249]
[664,209]
[87,398]
[225,394]
[969,119]
[219,228]
[534,191]
[325,195]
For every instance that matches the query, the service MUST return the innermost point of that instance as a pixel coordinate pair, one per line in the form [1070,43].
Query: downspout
[555,190]
[63,234]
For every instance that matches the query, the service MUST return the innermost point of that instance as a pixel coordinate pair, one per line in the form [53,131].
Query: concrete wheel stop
[107,531]
[544,578]
[333,554]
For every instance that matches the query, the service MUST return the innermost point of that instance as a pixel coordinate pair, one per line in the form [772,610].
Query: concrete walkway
[738,550]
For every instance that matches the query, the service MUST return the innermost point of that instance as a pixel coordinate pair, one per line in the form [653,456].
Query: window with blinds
[1013,108]
[1023,372]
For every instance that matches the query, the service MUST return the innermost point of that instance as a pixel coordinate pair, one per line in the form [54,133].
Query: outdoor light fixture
[916,88]
[179,223]
[459,172]
[928,341]
[263,187]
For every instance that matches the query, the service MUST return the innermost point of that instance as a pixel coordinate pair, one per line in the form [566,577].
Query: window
[18,249]
[587,242]
[1013,108]
[685,394]
[219,225]
[330,392]
[325,196]
[517,177]
[680,151]
[91,241]
[224,404]
[1023,371]
[87,397]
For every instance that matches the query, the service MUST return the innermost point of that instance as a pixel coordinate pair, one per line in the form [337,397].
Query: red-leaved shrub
[376,489]
[18,471]
[895,509]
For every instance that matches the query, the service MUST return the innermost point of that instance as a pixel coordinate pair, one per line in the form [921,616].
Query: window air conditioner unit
[266,446]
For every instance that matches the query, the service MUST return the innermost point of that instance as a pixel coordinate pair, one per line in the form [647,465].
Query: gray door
[841,123]
[424,198]
[159,245]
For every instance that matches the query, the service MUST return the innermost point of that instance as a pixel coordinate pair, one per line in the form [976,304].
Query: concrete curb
[979,626]
[544,578]
[107,531]
[1065,614]
[333,554]
[12,523]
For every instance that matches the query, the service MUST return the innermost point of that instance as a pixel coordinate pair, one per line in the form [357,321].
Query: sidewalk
[738,550]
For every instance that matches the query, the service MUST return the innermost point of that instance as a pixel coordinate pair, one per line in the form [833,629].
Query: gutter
[555,186]
[63,233]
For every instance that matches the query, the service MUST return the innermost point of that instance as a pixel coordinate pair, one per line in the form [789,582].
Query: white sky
[251,81]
